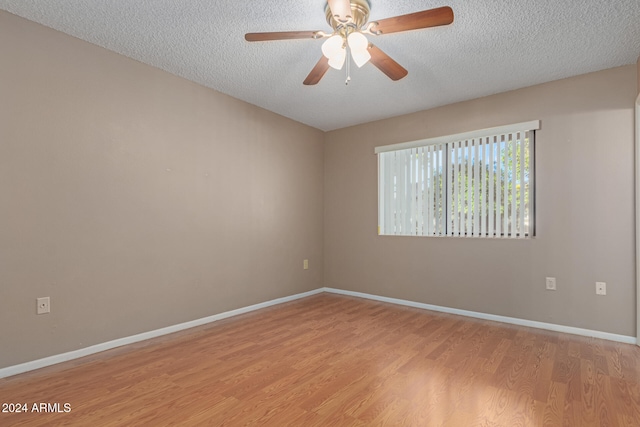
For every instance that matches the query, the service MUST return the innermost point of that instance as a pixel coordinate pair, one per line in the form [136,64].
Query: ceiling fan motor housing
[360,10]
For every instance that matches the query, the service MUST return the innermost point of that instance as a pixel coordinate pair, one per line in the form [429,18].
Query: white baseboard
[76,354]
[504,319]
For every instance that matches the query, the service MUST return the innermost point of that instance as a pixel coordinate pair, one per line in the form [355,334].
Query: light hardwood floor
[330,360]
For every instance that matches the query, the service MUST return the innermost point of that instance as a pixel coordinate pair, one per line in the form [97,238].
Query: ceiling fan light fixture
[337,60]
[357,40]
[332,46]
[360,58]
[359,44]
[334,50]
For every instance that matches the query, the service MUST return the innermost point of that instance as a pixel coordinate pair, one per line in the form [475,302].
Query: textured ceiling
[492,46]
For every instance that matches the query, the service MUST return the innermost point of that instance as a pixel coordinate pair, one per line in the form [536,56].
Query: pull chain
[348,67]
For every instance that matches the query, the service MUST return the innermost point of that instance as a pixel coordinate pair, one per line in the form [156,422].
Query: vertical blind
[478,184]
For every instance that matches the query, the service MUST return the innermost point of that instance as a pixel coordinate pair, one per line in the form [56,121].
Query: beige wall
[138,200]
[585,211]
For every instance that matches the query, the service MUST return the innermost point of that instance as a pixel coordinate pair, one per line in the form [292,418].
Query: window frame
[447,141]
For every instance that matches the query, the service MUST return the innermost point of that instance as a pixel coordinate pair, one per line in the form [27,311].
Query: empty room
[319,213]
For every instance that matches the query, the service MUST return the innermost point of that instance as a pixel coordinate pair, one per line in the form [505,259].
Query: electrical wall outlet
[601,288]
[305,264]
[43,305]
[551,283]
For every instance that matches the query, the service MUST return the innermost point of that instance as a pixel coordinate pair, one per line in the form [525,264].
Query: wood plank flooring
[330,360]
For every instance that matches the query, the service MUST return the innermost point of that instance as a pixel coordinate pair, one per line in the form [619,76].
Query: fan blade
[318,72]
[385,64]
[340,10]
[415,21]
[282,35]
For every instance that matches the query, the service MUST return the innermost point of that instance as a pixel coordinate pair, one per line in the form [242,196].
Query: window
[476,184]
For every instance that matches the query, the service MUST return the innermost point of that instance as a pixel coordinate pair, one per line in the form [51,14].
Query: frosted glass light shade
[337,61]
[333,49]
[360,57]
[358,44]
[357,41]
[332,46]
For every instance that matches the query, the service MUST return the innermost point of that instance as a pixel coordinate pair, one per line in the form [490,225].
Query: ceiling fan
[349,20]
